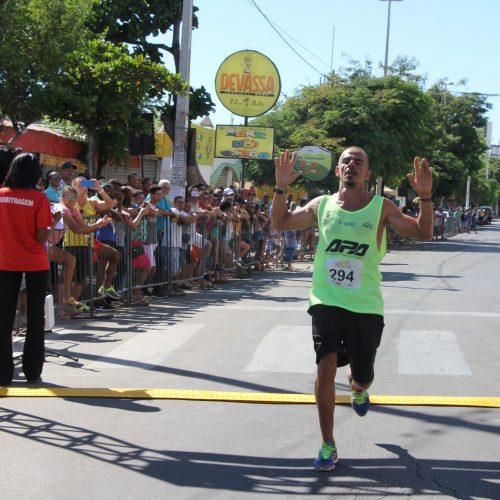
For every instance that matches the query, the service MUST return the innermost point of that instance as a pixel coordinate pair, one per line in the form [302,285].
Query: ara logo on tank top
[347,247]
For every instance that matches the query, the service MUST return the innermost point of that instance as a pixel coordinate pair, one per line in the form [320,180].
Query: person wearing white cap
[228,193]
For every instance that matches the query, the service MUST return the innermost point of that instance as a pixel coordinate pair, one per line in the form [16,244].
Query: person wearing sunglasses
[52,192]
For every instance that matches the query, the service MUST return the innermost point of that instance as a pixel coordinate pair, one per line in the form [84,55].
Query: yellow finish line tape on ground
[240,397]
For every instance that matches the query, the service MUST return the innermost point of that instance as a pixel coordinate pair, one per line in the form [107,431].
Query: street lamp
[387,36]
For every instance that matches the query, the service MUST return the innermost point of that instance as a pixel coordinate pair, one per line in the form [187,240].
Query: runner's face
[352,168]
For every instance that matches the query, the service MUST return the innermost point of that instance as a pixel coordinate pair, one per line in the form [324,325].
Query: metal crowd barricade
[92,273]
[163,265]
[395,239]
[451,226]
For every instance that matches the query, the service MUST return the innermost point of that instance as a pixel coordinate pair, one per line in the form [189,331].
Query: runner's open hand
[421,181]
[285,174]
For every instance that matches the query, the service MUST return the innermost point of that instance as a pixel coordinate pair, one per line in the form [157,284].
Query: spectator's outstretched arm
[105,203]
[143,212]
[78,228]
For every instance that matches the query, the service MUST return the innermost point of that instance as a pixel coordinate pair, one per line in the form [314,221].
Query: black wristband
[279,191]
[425,199]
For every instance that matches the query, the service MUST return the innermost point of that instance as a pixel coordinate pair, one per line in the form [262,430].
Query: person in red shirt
[26,222]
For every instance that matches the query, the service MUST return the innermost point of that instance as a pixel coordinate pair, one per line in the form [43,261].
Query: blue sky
[452,39]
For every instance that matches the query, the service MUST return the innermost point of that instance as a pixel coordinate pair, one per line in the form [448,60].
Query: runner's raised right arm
[301,217]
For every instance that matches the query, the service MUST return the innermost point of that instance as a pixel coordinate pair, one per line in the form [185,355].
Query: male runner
[345,301]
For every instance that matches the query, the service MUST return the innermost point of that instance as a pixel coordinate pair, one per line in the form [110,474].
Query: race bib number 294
[345,272]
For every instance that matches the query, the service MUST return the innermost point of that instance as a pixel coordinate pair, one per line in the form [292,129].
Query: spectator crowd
[129,240]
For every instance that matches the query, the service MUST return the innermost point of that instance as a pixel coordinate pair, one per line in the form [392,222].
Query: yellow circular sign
[248,83]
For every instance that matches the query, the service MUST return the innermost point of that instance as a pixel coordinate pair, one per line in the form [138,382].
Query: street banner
[248,83]
[314,162]
[205,142]
[239,142]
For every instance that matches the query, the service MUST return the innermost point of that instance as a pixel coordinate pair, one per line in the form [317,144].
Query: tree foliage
[459,145]
[35,36]
[137,23]
[485,189]
[103,88]
[54,65]
[391,118]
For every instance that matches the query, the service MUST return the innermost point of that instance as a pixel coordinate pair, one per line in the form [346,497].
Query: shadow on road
[401,475]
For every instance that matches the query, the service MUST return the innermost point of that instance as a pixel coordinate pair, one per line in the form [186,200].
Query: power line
[300,45]
[472,93]
[252,2]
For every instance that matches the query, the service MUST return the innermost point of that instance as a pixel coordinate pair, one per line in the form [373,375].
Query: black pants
[33,353]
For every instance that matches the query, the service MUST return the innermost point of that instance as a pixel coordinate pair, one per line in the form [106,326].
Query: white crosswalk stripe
[148,347]
[431,352]
[284,349]
[288,349]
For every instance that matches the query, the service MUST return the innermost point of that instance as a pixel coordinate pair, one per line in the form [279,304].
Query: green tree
[391,118]
[459,145]
[486,191]
[103,88]
[35,36]
[139,24]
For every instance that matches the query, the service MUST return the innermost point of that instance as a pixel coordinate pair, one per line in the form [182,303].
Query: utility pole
[487,135]
[182,106]
[467,193]
[386,61]
[379,185]
[333,45]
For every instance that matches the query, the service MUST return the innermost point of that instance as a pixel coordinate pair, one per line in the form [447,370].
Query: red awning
[40,139]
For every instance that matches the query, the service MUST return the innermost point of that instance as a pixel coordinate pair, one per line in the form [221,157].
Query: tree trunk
[169,125]
[90,154]
[176,45]
[193,174]
[15,127]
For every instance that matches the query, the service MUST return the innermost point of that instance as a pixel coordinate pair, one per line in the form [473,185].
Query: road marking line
[284,349]
[430,352]
[148,347]
[241,397]
[468,314]
[301,307]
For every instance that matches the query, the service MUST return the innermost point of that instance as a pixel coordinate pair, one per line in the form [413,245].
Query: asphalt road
[441,339]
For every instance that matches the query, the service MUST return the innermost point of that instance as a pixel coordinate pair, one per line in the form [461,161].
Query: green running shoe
[327,458]
[360,401]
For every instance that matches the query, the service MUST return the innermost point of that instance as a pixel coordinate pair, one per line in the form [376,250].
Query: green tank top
[346,266]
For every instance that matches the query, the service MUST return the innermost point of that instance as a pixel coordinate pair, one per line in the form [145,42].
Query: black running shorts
[355,338]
